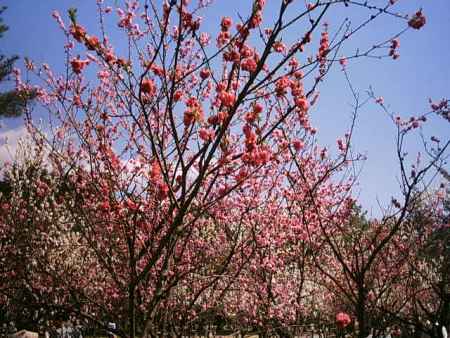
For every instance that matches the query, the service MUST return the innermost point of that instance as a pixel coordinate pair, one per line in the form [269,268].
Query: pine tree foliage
[12,102]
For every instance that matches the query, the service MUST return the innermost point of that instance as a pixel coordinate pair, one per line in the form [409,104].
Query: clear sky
[421,72]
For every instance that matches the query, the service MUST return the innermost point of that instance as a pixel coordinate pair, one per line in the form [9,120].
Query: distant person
[111,326]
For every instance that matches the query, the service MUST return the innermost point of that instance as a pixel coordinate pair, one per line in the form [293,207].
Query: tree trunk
[363,330]
[132,311]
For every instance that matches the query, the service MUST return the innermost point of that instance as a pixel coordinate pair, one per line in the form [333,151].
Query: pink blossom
[279,47]
[78,65]
[302,104]
[148,87]
[226,23]
[78,32]
[343,320]
[205,73]
[227,99]
[249,65]
[206,135]
[417,21]
[298,144]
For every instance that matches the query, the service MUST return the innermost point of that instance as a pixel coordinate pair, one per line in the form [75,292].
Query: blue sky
[421,72]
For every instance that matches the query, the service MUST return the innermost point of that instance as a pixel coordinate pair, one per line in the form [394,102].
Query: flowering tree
[425,281]
[186,171]
[366,258]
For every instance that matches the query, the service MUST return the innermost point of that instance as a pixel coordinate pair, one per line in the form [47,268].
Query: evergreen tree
[12,102]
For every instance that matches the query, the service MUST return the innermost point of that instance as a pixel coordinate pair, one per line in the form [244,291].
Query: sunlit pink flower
[343,320]
[78,65]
